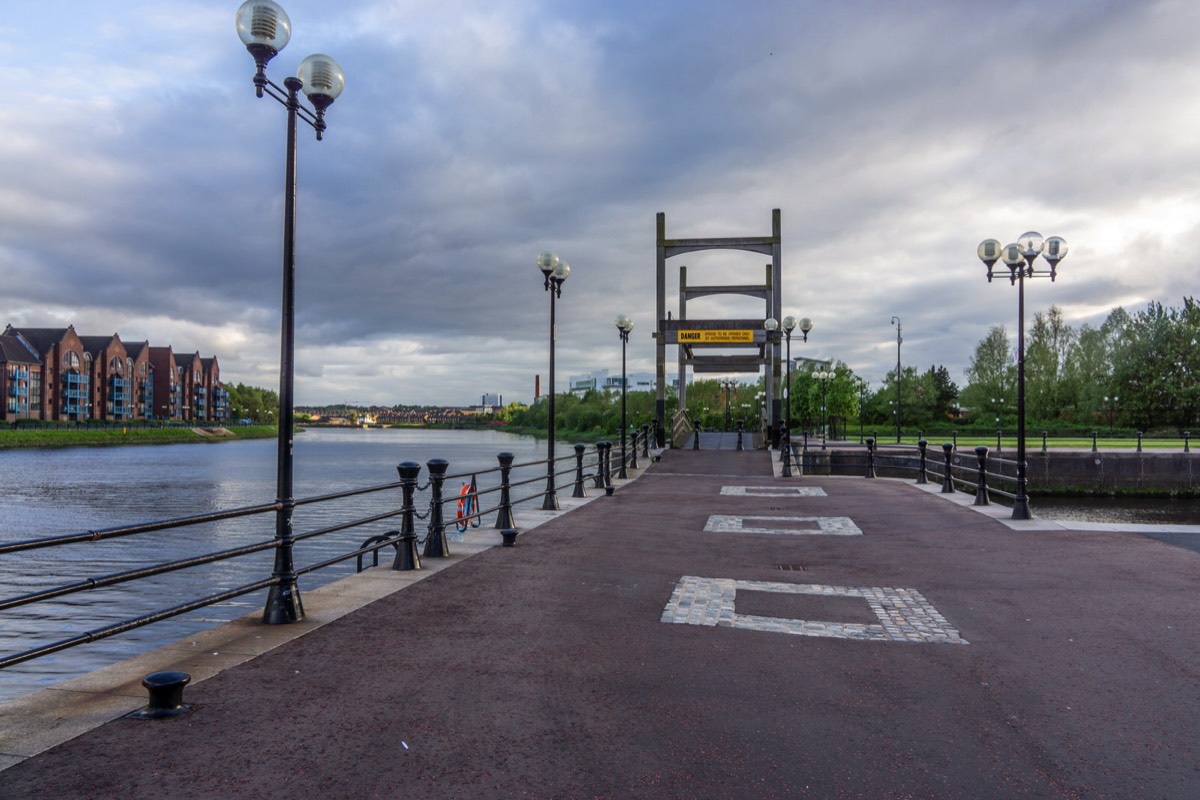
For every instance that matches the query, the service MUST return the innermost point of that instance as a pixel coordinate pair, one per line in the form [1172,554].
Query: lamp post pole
[555,271]
[264,27]
[823,376]
[899,339]
[1019,259]
[624,326]
[862,399]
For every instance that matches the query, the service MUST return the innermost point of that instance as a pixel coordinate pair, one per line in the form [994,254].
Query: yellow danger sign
[716,337]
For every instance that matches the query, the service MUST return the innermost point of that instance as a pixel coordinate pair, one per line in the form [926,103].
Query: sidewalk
[710,631]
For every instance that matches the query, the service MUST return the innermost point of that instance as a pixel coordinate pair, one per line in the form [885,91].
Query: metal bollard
[509,536]
[997,440]
[598,478]
[504,518]
[947,480]
[695,438]
[981,490]
[1186,436]
[1094,435]
[954,439]
[785,438]
[166,696]
[1139,441]
[741,430]
[633,463]
[870,457]
[435,541]
[1043,441]
[579,490]
[646,441]
[922,445]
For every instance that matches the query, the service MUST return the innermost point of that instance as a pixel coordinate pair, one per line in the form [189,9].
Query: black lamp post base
[283,605]
[1021,508]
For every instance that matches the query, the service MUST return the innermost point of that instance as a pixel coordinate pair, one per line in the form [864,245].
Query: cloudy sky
[141,180]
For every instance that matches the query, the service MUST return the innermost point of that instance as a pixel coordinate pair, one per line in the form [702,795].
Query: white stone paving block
[800,526]
[904,614]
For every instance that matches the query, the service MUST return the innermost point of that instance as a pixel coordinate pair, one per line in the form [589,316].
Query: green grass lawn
[69,436]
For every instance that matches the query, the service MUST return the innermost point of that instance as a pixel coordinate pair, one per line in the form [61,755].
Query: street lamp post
[624,326]
[862,399]
[899,339]
[1111,402]
[264,27]
[1019,258]
[771,326]
[555,271]
[823,376]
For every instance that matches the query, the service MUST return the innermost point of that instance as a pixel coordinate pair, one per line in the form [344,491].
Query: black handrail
[373,545]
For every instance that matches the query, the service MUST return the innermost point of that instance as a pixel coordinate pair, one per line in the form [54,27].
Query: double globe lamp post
[624,326]
[264,27]
[789,324]
[1019,257]
[555,271]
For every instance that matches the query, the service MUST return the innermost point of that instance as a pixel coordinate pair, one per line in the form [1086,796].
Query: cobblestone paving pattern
[828,526]
[904,615]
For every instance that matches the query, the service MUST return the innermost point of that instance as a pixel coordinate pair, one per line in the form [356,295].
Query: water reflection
[67,491]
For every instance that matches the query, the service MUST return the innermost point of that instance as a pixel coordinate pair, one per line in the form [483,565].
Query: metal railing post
[786,439]
[504,518]
[870,457]
[633,462]
[1187,435]
[922,446]
[406,556]
[695,438]
[435,540]
[741,430]
[579,490]
[1043,442]
[646,441]
[598,479]
[1139,449]
[981,489]
[947,479]
[1094,435]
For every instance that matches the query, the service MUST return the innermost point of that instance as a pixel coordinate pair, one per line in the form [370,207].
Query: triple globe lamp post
[264,27]
[1020,258]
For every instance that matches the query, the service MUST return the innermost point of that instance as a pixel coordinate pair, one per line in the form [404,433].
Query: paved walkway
[711,631]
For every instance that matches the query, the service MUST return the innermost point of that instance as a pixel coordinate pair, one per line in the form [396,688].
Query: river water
[58,491]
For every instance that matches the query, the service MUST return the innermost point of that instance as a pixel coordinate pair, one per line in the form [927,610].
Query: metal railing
[495,486]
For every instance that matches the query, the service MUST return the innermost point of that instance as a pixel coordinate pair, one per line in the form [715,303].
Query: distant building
[56,374]
[601,380]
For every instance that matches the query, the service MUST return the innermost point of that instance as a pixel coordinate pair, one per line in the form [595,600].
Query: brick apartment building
[56,374]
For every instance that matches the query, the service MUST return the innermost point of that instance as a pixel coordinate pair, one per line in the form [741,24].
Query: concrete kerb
[37,722]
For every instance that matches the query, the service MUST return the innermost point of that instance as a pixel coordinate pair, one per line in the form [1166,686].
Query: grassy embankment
[69,436]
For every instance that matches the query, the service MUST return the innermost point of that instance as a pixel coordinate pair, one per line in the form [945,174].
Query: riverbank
[73,436]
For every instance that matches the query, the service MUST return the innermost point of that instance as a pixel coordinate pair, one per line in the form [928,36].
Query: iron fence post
[870,457]
[409,470]
[981,489]
[579,490]
[435,540]
[947,480]
[922,445]
[646,441]
[504,518]
[598,480]
[786,438]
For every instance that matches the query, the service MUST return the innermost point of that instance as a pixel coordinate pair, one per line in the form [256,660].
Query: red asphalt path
[544,671]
